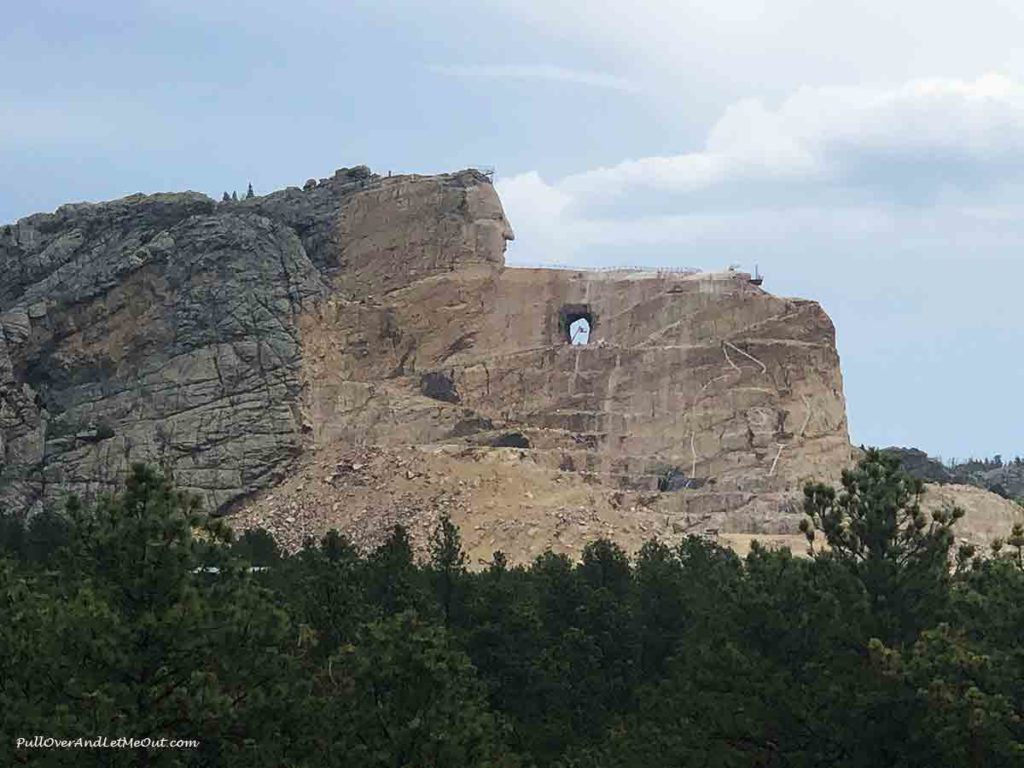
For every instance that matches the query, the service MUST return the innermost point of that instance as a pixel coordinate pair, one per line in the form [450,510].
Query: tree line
[233,197]
[137,616]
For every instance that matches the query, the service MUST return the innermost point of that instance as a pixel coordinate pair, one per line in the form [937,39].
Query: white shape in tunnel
[579,332]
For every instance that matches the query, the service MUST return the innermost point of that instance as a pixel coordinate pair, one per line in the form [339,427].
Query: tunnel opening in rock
[577,323]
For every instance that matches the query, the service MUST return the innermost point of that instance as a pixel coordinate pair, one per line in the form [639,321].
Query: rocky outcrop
[1002,479]
[1007,480]
[165,328]
[919,464]
[242,345]
[161,330]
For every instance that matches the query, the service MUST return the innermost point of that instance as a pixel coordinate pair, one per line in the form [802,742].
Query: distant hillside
[1005,479]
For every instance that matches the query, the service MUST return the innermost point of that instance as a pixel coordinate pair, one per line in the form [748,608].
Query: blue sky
[868,155]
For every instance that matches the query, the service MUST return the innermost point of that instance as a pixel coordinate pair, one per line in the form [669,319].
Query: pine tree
[876,528]
[404,695]
[448,563]
[325,591]
[393,581]
[965,709]
[249,194]
[139,626]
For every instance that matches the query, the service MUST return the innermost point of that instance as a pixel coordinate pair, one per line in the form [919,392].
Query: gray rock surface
[1007,480]
[1003,479]
[917,463]
[158,328]
[165,329]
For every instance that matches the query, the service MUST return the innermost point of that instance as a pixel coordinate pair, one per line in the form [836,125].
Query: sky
[867,155]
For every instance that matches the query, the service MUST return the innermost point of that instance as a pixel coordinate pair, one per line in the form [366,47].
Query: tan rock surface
[356,353]
[500,498]
[987,515]
[723,396]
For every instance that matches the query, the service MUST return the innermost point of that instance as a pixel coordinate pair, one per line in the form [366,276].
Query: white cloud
[729,44]
[833,135]
[540,72]
[823,154]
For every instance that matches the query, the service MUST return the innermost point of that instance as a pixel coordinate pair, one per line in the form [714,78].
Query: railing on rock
[486,170]
[617,268]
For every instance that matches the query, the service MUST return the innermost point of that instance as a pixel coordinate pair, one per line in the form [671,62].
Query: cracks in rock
[461,344]
[776,460]
[780,423]
[709,382]
[220,375]
[728,360]
[764,368]
[399,370]
[807,418]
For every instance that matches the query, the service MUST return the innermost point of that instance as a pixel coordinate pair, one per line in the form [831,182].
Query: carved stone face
[493,230]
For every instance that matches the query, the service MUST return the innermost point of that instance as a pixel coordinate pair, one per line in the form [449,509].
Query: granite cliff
[356,352]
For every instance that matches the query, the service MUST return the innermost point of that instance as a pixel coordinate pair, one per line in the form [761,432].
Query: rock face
[917,463]
[245,344]
[704,387]
[987,516]
[1007,480]
[1002,479]
[160,329]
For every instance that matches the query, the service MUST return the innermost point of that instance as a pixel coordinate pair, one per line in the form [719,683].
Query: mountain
[356,352]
